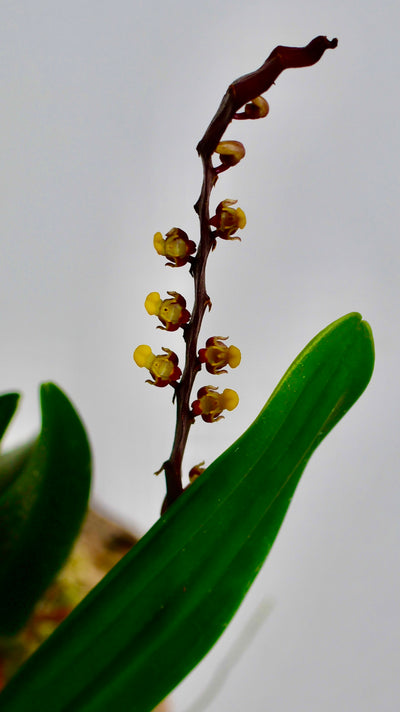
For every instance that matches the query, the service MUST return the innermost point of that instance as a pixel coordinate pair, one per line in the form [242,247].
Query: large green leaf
[159,611]
[44,489]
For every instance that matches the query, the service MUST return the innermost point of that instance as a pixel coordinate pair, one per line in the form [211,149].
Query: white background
[102,104]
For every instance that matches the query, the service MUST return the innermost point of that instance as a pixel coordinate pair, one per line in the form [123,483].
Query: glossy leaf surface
[42,504]
[160,610]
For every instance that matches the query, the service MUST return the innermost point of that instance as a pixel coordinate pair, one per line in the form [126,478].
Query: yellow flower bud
[196,471]
[230,152]
[256,109]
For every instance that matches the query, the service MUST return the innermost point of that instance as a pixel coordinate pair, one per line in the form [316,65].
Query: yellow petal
[153,303]
[230,399]
[241,218]
[159,243]
[227,203]
[234,356]
[143,356]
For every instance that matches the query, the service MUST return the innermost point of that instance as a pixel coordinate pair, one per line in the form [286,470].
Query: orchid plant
[170,598]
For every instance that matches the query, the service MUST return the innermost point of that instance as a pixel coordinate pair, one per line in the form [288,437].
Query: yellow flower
[216,355]
[177,247]
[228,219]
[171,312]
[163,367]
[210,404]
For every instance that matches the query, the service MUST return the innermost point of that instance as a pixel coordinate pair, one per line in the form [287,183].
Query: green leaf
[8,404]
[10,463]
[160,610]
[42,504]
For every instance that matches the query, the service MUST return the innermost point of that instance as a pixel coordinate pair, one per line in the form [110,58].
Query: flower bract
[171,312]
[228,219]
[217,355]
[210,403]
[163,367]
[177,247]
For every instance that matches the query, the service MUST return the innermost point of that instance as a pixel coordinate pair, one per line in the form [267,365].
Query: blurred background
[102,105]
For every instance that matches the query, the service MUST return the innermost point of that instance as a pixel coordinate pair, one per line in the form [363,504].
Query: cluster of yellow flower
[172,312]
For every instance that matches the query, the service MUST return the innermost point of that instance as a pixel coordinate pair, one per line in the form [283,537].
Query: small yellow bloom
[171,312]
[163,367]
[230,152]
[177,247]
[228,219]
[210,404]
[216,355]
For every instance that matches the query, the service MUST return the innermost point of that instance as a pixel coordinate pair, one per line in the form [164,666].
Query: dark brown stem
[184,418]
[239,93]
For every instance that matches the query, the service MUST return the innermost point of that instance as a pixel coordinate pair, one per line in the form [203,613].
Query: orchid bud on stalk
[230,153]
[196,471]
[256,109]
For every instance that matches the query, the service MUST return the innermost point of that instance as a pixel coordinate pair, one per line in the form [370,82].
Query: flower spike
[171,312]
[163,367]
[210,404]
[228,219]
[230,152]
[242,100]
[177,247]
[216,355]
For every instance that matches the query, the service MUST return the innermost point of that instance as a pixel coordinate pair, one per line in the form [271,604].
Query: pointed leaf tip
[8,405]
[42,506]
